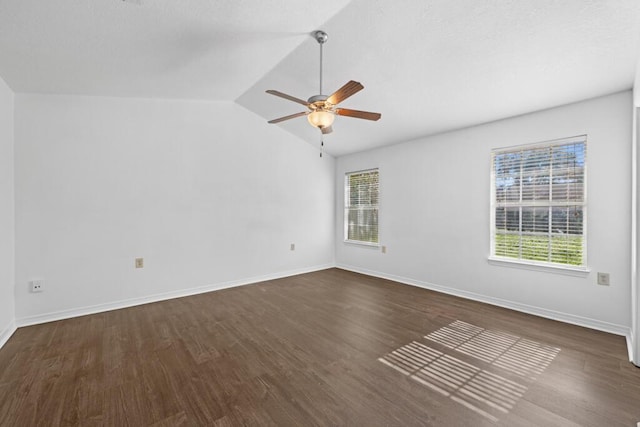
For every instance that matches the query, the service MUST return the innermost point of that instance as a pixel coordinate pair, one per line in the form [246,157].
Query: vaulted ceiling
[427,66]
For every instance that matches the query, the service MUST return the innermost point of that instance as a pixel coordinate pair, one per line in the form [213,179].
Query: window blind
[361,206]
[539,202]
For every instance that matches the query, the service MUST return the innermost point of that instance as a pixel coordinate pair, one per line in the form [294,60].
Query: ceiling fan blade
[289,97]
[292,116]
[326,130]
[367,115]
[351,88]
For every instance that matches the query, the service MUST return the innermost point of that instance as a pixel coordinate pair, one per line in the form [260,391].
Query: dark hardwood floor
[325,348]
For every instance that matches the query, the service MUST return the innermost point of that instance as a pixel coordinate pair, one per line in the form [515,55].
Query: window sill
[365,244]
[530,265]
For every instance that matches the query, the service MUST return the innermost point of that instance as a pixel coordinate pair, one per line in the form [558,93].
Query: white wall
[206,192]
[7,228]
[434,214]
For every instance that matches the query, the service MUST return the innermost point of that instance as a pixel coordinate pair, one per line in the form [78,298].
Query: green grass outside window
[564,249]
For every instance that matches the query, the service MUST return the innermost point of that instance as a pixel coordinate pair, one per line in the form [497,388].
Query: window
[538,203]
[361,207]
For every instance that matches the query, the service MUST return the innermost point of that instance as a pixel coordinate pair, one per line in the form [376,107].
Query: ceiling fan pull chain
[321,145]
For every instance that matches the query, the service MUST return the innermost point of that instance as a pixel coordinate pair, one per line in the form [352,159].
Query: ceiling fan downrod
[321,38]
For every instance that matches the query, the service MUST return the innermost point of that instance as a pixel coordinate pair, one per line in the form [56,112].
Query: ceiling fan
[323,108]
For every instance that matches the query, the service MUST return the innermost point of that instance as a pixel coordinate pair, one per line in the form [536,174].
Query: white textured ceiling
[192,49]
[427,66]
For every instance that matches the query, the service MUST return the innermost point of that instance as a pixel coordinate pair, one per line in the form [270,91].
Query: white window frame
[533,264]
[348,207]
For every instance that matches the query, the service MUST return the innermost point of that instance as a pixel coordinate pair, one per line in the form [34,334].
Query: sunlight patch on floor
[473,387]
[510,352]
[484,392]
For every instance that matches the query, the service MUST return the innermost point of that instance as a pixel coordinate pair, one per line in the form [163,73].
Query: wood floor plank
[324,348]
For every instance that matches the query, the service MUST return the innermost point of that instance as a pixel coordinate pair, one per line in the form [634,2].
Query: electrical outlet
[293,247]
[36,286]
[384,249]
[139,262]
[603,279]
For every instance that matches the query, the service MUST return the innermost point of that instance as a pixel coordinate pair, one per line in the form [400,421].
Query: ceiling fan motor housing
[317,98]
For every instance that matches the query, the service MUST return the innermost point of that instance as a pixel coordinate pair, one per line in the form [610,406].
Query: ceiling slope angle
[432,67]
[191,49]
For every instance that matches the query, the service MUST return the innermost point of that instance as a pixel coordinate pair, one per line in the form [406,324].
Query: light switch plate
[603,279]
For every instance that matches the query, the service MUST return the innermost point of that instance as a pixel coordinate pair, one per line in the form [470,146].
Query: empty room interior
[319,213]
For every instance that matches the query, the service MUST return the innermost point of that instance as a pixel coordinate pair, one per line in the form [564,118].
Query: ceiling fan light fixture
[321,118]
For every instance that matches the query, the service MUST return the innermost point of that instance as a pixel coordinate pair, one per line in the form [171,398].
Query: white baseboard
[99,308]
[6,333]
[630,347]
[537,311]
